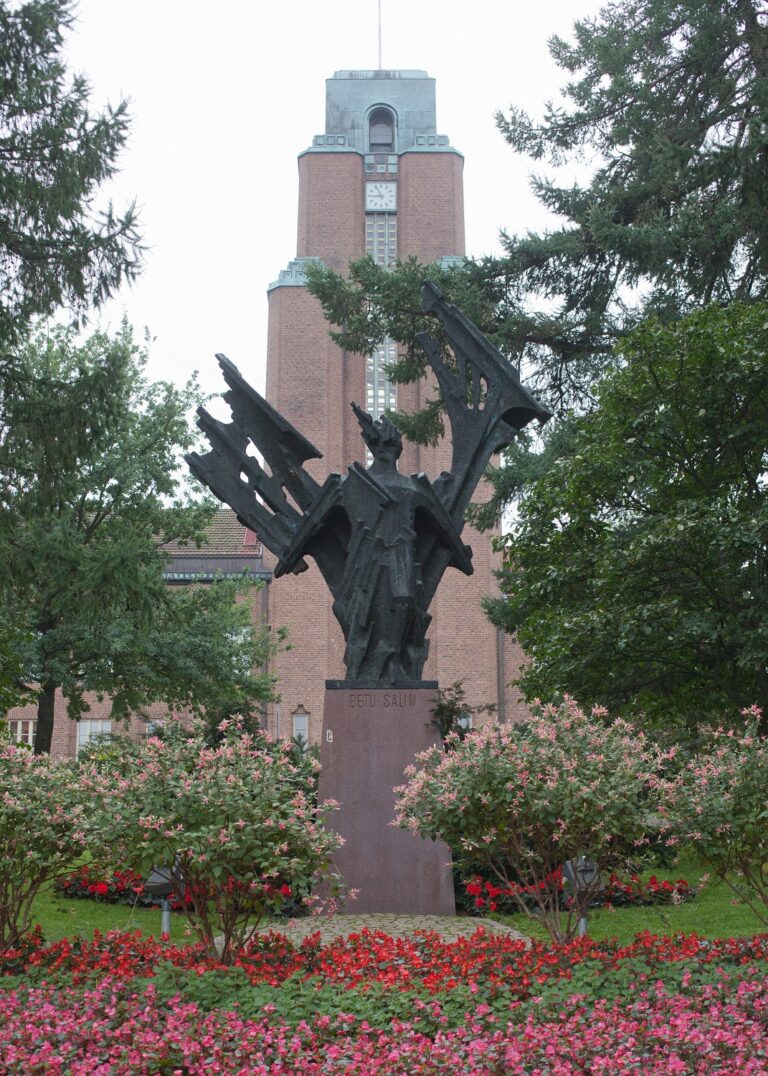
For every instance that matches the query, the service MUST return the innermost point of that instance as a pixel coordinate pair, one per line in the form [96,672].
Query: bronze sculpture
[381,540]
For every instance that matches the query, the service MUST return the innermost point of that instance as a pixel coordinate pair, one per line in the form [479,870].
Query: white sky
[225,95]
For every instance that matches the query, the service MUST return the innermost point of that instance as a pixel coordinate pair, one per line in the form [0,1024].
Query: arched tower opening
[382,130]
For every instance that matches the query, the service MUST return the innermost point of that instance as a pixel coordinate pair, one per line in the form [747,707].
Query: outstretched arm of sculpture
[238,479]
[484,398]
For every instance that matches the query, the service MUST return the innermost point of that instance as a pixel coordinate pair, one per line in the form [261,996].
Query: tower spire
[379,35]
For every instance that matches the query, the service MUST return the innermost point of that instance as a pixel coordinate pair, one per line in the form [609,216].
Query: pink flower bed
[95,1008]
[112,1031]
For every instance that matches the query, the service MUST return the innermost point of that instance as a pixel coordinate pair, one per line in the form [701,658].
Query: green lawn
[711,914]
[62,917]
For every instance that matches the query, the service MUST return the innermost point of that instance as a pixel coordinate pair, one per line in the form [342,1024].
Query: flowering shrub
[719,803]
[616,891]
[487,1004]
[524,799]
[231,823]
[46,824]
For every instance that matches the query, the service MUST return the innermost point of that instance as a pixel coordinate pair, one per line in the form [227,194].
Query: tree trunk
[45,711]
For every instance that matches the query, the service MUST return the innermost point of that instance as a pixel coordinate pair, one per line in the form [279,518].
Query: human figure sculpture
[382,540]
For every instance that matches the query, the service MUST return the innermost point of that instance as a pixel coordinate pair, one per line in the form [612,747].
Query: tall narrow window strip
[381,237]
[300,727]
[381,393]
[381,245]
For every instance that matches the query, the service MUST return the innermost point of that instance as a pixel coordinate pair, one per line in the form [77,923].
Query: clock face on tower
[381,197]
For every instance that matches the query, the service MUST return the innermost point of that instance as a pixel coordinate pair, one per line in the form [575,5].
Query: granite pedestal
[369,737]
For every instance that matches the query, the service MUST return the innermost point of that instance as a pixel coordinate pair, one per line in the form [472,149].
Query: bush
[113,752]
[616,892]
[719,804]
[119,887]
[523,800]
[232,824]
[47,823]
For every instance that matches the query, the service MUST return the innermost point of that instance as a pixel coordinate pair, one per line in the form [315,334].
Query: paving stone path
[450,927]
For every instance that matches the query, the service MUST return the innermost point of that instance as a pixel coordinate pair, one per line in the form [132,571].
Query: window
[23,731]
[381,237]
[300,726]
[381,393]
[242,657]
[88,729]
[381,131]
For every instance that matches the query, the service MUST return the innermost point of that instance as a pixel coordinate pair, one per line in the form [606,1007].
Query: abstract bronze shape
[381,540]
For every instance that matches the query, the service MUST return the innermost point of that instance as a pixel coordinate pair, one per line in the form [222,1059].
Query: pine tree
[636,569]
[669,98]
[58,248]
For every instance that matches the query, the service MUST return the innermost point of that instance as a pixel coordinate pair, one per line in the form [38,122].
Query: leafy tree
[56,248]
[89,496]
[637,573]
[200,653]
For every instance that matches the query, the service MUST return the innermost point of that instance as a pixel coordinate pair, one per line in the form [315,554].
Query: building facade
[381,181]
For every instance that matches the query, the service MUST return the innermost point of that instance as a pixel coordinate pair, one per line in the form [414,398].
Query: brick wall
[331,224]
[311,381]
[431,205]
[64,741]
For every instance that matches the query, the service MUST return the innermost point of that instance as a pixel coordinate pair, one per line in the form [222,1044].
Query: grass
[712,913]
[65,917]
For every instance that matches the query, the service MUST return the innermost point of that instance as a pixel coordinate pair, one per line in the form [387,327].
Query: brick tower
[381,181]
